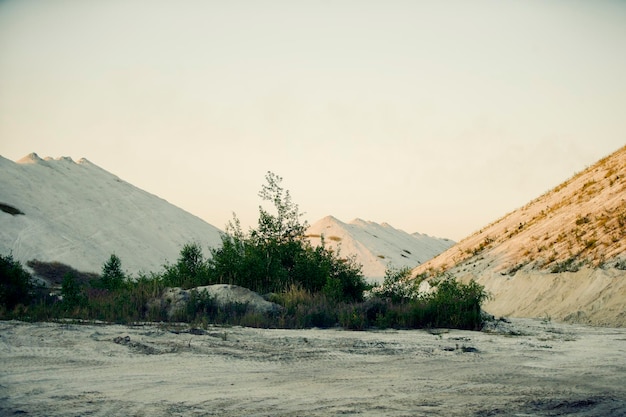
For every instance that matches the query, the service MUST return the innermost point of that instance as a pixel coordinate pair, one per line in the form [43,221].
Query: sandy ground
[527,368]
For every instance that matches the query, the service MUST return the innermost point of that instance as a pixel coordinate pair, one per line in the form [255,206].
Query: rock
[122,340]
[175,299]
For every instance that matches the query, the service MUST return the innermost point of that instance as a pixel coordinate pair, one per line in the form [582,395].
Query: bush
[397,285]
[455,304]
[568,265]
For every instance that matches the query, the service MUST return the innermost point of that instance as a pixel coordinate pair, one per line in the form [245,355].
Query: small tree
[277,255]
[112,276]
[190,270]
[285,225]
[71,292]
[15,283]
[397,285]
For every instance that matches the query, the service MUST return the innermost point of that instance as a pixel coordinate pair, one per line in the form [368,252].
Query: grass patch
[569,265]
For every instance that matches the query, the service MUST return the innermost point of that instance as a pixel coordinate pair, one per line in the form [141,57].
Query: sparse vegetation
[582,220]
[569,265]
[516,268]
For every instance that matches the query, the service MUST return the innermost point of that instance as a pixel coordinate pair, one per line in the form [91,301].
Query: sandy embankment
[531,368]
[588,296]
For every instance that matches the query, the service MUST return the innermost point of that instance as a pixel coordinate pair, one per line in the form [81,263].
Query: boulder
[174,299]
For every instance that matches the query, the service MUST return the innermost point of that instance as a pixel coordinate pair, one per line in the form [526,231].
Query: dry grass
[584,217]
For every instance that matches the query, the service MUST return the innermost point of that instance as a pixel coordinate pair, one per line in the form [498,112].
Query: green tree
[284,224]
[15,283]
[112,275]
[277,255]
[397,285]
[190,269]
[71,291]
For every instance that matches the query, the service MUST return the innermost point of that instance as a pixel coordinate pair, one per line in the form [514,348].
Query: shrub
[455,304]
[568,265]
[397,285]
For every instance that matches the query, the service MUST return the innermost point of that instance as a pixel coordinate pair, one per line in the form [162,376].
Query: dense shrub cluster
[313,284]
[270,258]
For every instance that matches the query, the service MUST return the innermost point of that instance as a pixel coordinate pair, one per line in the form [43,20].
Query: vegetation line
[314,286]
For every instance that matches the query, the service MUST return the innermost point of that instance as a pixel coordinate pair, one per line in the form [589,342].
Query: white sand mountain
[376,246]
[79,214]
[562,255]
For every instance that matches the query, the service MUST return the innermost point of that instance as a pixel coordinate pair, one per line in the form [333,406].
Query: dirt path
[529,368]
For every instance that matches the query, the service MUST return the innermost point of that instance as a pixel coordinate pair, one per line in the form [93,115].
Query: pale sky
[436,117]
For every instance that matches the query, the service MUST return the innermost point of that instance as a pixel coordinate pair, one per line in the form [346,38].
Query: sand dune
[528,367]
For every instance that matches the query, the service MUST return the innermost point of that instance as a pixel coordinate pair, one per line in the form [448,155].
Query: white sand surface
[528,368]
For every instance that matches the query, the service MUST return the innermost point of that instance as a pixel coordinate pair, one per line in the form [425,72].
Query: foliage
[112,275]
[568,265]
[277,255]
[452,305]
[189,271]
[284,226]
[72,293]
[455,304]
[15,283]
[397,285]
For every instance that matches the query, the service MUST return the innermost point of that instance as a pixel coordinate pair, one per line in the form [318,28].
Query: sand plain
[527,367]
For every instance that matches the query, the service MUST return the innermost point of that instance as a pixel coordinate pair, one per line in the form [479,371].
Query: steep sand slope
[79,214]
[529,258]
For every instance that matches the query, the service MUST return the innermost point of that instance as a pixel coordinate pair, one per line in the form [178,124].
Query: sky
[436,117]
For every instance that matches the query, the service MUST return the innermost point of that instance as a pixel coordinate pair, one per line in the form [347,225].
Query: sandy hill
[79,214]
[562,255]
[376,246]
